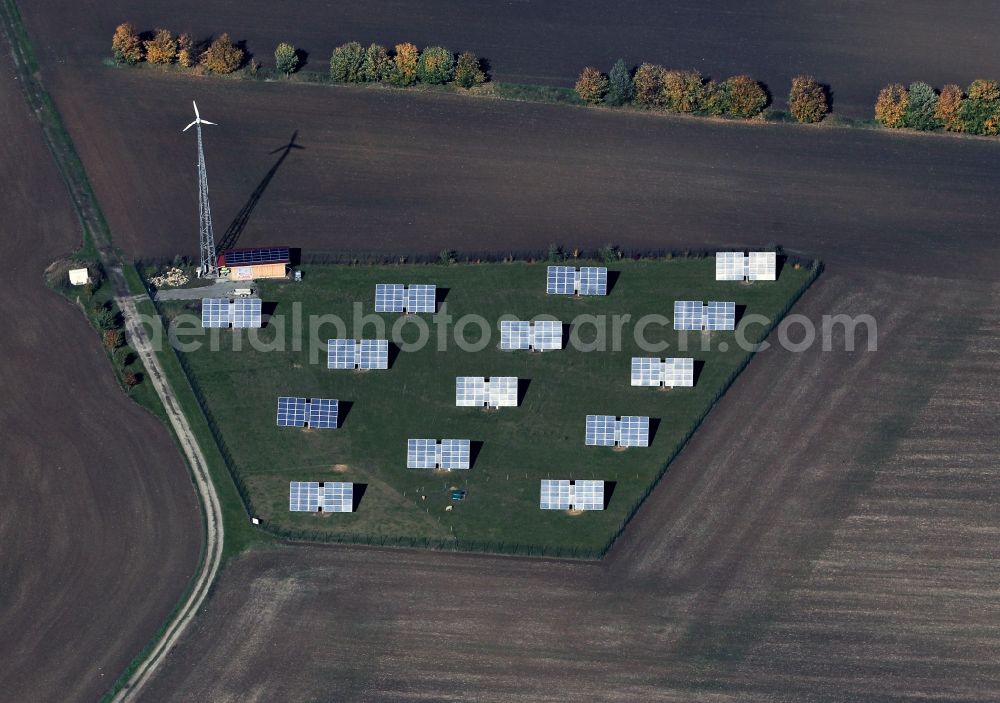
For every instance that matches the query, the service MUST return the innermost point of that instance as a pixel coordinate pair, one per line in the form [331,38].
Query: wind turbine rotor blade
[197,116]
[190,126]
[207,122]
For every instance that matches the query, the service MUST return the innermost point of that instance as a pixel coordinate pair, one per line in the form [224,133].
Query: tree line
[655,87]
[349,63]
[975,110]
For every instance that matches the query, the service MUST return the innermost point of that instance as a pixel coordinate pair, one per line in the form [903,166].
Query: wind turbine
[209,266]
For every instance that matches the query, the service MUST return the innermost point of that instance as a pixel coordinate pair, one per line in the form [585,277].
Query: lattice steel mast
[209,266]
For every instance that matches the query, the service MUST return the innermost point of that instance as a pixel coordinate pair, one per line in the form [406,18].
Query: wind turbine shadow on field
[239,223]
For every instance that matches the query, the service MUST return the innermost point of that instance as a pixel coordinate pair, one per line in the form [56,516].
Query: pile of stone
[173,278]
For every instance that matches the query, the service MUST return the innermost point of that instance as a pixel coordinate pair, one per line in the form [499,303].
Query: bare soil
[99,526]
[829,534]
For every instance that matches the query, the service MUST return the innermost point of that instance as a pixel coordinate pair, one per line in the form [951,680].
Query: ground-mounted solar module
[350,354]
[323,413]
[373,354]
[421,297]
[432,454]
[633,431]
[421,453]
[608,431]
[562,494]
[762,266]
[338,497]
[602,430]
[647,371]
[454,453]
[501,392]
[678,372]
[560,280]
[515,334]
[303,496]
[593,280]
[215,312]
[389,297]
[495,392]
[546,335]
[730,266]
[247,313]
[588,495]
[470,391]
[292,411]
[566,280]
[341,354]
[312,496]
[720,316]
[555,494]
[689,315]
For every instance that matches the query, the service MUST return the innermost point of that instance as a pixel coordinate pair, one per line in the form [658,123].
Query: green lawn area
[543,438]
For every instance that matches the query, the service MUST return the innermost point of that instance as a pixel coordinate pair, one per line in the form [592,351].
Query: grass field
[543,438]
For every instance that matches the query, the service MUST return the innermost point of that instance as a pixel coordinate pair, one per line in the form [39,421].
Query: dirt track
[99,527]
[856,48]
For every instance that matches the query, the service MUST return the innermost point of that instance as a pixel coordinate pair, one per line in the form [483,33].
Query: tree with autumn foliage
[592,85]
[980,111]
[647,84]
[807,100]
[948,105]
[222,56]
[113,338]
[682,90]
[125,44]
[890,107]
[185,50]
[715,98]
[162,48]
[746,97]
[468,70]
[404,68]
[436,65]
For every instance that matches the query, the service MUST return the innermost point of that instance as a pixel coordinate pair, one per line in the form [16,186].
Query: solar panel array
[720,316]
[693,315]
[222,312]
[395,297]
[543,335]
[689,315]
[561,494]
[730,266]
[390,297]
[608,431]
[762,266]
[672,372]
[566,280]
[431,454]
[318,413]
[247,312]
[247,257]
[755,266]
[215,312]
[330,497]
[678,372]
[477,391]
[351,353]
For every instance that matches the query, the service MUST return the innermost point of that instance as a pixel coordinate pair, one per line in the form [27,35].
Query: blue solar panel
[322,413]
[688,314]
[291,412]
[247,257]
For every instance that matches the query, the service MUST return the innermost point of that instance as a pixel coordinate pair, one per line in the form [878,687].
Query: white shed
[79,277]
